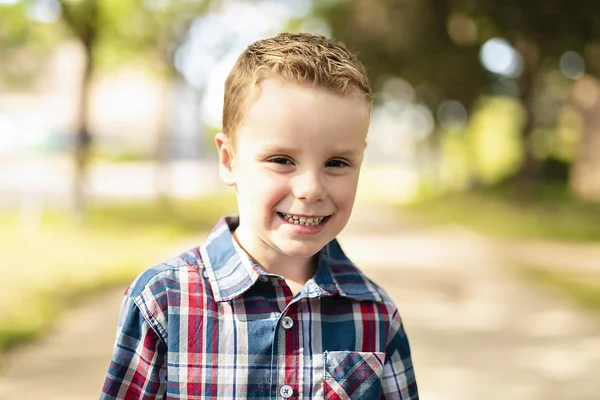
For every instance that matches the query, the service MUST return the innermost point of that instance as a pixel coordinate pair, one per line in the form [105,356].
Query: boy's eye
[280,160]
[337,164]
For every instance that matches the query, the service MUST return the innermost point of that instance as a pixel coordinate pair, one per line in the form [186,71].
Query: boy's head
[295,120]
[299,58]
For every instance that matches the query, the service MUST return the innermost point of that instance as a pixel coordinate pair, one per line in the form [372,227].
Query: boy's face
[297,156]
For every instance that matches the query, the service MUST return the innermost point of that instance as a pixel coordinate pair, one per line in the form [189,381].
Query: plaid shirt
[211,324]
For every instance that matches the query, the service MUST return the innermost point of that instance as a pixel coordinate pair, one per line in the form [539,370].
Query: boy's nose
[309,187]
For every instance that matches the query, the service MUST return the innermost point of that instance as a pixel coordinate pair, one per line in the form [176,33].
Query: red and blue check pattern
[211,324]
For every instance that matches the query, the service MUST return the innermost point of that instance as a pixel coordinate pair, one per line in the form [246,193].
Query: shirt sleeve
[398,381]
[137,369]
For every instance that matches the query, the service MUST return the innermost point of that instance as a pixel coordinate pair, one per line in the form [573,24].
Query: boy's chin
[303,250]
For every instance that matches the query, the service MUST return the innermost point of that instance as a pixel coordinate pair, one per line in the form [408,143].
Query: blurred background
[480,188]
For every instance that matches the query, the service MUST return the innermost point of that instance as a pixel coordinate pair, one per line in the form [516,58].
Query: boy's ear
[225,152]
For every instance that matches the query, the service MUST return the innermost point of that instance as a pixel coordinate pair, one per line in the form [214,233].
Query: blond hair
[300,58]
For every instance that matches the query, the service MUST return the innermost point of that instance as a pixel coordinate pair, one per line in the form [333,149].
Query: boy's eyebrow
[348,153]
[274,148]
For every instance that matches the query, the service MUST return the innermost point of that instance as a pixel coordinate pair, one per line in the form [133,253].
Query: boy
[270,307]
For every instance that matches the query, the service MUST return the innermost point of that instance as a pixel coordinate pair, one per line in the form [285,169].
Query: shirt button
[287,322]
[205,274]
[286,391]
[263,278]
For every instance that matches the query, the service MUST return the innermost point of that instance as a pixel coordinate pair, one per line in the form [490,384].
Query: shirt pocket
[352,375]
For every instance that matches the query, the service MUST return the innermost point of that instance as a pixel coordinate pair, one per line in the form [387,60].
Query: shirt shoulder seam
[150,319]
[143,286]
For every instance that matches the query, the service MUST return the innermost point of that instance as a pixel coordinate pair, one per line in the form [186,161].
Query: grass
[59,263]
[582,290]
[551,214]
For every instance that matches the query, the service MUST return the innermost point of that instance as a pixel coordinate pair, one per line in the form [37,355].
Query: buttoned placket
[288,331]
[288,327]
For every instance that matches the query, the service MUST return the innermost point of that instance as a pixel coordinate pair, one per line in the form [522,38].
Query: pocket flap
[353,365]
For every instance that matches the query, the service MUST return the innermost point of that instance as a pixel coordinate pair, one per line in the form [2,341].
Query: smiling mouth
[302,220]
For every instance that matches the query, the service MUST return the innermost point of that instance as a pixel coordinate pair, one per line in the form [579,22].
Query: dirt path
[71,361]
[476,333]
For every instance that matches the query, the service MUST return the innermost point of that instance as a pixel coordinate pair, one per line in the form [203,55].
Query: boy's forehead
[277,95]
[271,87]
[277,108]
[281,138]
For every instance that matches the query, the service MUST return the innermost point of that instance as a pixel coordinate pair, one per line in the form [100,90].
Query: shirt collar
[231,271]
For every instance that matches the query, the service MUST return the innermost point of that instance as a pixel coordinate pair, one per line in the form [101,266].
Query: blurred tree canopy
[23,46]
[436,45]
[125,30]
[542,32]
[110,32]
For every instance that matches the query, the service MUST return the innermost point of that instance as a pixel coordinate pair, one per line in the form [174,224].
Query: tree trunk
[585,172]
[83,140]
[433,157]
[529,170]
[85,25]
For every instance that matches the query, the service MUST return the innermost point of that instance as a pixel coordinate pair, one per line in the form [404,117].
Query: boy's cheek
[347,186]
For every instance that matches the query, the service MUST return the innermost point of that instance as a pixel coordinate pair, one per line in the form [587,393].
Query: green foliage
[582,289]
[24,45]
[569,128]
[17,30]
[435,45]
[554,25]
[114,32]
[152,34]
[553,213]
[132,32]
[494,139]
[458,160]
[181,218]
[409,39]
[487,150]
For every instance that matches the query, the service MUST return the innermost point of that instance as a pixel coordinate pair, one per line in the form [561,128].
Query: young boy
[270,307]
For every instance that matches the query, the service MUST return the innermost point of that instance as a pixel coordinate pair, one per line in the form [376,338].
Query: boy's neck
[296,271]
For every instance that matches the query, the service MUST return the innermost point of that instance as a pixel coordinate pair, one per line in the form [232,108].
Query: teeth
[306,221]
